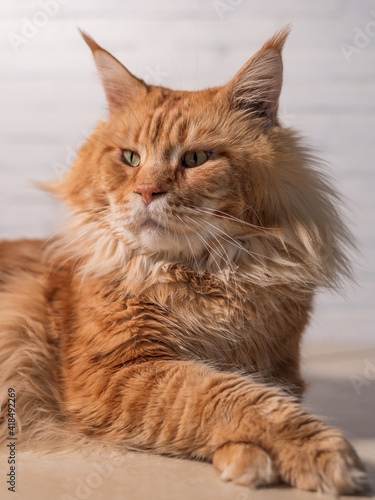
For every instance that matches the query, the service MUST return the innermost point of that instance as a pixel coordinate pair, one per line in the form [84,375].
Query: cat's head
[184,175]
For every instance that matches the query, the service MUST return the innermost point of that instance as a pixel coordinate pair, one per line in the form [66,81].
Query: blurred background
[51,98]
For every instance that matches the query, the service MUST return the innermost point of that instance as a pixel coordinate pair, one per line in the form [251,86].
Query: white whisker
[224,215]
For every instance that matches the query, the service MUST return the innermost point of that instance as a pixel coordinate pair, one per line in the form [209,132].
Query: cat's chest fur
[184,315]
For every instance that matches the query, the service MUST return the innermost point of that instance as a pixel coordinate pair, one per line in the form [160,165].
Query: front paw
[325,463]
[245,464]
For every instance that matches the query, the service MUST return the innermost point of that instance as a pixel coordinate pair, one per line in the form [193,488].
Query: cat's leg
[187,409]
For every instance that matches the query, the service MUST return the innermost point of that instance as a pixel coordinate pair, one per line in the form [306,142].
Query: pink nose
[148,192]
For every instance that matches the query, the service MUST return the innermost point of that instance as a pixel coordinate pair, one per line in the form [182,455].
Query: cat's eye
[195,158]
[131,158]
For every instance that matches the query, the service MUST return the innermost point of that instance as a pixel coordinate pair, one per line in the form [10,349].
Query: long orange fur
[172,322]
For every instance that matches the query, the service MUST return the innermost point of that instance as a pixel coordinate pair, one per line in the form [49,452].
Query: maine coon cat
[167,315]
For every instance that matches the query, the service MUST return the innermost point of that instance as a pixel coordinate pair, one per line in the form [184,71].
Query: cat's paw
[327,464]
[245,464]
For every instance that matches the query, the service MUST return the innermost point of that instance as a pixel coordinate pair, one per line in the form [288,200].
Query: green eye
[195,158]
[131,158]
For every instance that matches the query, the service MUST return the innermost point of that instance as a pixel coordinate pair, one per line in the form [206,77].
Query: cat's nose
[149,192]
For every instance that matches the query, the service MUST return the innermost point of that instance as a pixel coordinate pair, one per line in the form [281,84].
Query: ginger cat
[167,315]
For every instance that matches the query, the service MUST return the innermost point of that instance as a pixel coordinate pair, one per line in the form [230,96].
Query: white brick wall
[50,98]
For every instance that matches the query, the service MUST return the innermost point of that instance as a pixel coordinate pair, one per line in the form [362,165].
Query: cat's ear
[119,84]
[257,85]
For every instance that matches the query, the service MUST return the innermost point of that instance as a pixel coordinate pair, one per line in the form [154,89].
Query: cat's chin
[152,237]
[151,225]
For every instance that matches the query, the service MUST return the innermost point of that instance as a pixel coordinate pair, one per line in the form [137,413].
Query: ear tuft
[257,85]
[278,40]
[90,41]
[119,84]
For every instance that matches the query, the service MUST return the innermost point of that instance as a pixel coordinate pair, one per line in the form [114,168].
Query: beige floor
[342,391]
